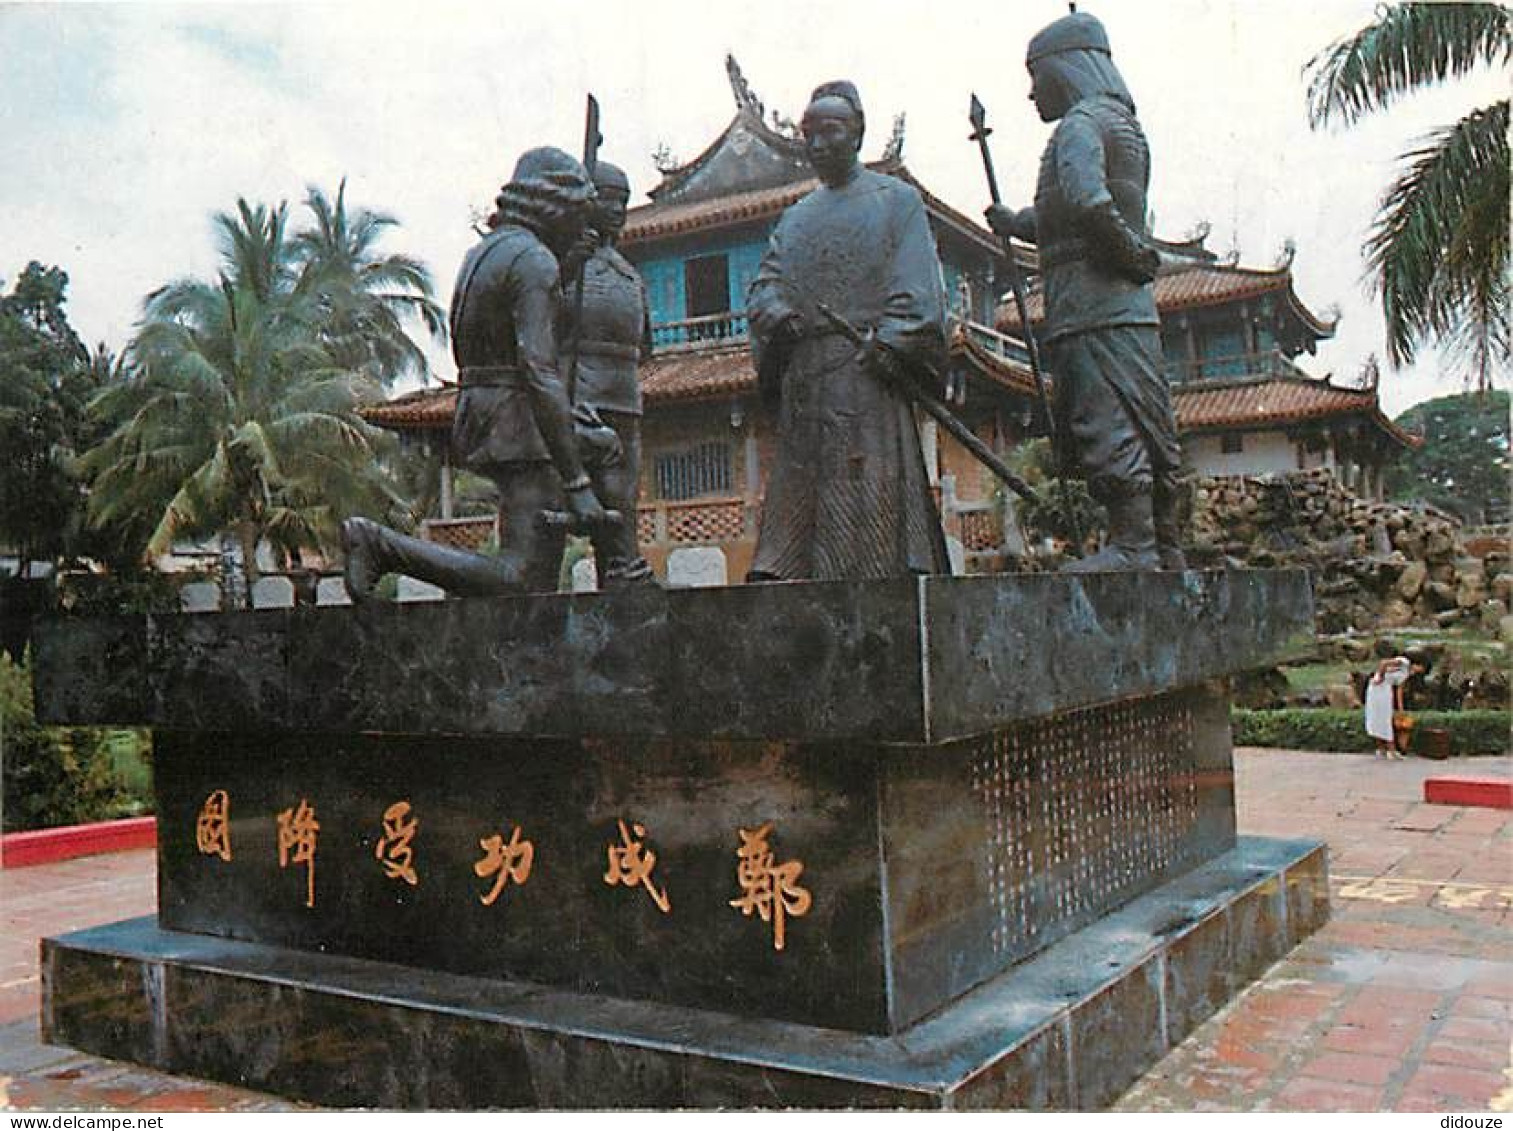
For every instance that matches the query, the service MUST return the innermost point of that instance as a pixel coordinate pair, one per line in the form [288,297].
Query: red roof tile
[690,375]
[1258,402]
[1200,407]
[424,408]
[1198,285]
[660,221]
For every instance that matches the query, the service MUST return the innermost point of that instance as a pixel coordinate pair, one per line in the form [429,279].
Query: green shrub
[1339,731]
[63,775]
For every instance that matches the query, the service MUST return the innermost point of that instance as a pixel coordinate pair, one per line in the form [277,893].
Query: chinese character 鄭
[771,890]
[393,850]
[212,832]
[296,832]
[510,861]
[631,862]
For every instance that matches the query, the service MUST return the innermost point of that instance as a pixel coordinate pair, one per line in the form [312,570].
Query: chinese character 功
[510,861]
[393,850]
[631,863]
[769,889]
[212,832]
[296,832]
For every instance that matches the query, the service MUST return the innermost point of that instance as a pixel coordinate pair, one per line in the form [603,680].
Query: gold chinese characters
[768,888]
[212,831]
[505,862]
[393,849]
[631,862]
[297,830]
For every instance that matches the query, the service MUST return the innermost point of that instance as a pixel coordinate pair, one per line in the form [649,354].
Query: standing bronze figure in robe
[848,495]
[612,338]
[1102,333]
[513,422]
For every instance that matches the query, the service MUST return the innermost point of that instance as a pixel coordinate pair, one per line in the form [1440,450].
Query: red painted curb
[48,846]
[1490,793]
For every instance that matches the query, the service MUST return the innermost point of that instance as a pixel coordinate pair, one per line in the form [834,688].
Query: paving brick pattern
[1404,1001]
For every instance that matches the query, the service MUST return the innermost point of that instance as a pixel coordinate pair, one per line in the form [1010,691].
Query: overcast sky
[125,127]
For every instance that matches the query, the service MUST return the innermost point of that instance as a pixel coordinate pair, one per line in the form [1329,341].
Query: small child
[1384,698]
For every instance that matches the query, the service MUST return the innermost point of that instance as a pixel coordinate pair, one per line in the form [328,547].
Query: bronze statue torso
[613,334]
[1098,153]
[505,302]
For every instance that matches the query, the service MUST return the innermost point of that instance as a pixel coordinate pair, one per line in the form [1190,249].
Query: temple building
[1230,334]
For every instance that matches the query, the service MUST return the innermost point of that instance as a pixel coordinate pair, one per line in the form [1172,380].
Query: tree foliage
[1463,466]
[46,380]
[1438,249]
[240,412]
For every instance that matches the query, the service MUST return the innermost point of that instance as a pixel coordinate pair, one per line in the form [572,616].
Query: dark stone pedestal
[811,816]
[1070,1028]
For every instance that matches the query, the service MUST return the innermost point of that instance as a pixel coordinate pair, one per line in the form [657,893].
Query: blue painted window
[1223,352]
[664,289]
[744,262]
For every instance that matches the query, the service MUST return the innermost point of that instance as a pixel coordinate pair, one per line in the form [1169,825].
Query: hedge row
[53,776]
[1344,731]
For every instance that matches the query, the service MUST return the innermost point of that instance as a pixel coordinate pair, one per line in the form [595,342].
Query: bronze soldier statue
[848,495]
[1102,334]
[612,337]
[513,422]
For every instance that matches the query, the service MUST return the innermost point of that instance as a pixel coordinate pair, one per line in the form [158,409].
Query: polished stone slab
[918,661]
[917,871]
[1069,1028]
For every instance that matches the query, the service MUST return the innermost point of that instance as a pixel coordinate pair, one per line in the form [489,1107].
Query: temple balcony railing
[710,521]
[995,342]
[979,526]
[1270,363]
[731,327]
[699,333]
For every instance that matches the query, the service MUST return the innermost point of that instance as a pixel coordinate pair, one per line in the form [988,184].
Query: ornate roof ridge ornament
[894,151]
[745,98]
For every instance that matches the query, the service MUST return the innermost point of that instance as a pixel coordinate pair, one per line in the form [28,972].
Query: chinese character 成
[769,889]
[631,862]
[506,862]
[393,850]
[296,843]
[212,831]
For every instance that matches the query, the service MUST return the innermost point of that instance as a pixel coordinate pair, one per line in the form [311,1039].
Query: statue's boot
[1131,538]
[1168,529]
[373,550]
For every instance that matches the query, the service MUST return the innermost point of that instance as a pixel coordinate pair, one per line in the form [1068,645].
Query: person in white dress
[1384,697]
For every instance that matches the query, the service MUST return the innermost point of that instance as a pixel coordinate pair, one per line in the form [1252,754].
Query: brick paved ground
[1403,1002]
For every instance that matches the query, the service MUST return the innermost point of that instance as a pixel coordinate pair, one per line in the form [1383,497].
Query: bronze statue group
[848,328]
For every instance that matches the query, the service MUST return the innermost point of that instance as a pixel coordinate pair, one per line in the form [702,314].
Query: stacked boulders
[1375,565]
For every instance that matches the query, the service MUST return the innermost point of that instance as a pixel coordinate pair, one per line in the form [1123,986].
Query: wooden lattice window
[704,469]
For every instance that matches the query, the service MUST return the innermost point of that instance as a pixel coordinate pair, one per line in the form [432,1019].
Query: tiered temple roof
[1186,284]
[1269,402]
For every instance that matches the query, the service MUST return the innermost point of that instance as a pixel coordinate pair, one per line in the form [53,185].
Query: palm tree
[366,295]
[1438,249]
[237,414]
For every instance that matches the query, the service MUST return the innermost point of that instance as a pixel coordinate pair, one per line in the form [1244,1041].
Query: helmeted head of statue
[1070,60]
[833,125]
[550,193]
[613,188]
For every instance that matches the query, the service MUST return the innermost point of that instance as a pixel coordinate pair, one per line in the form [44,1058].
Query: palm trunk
[249,536]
